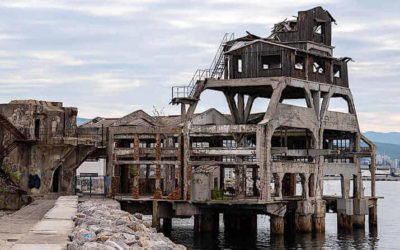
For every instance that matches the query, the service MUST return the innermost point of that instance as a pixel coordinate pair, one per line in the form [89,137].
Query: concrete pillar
[358,221]
[344,221]
[277,224]
[254,177]
[318,223]
[303,223]
[278,185]
[303,217]
[209,222]
[345,210]
[155,217]
[167,226]
[135,186]
[318,216]
[158,193]
[196,223]
[373,216]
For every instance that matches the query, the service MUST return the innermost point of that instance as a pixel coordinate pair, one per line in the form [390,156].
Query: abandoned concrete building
[176,166]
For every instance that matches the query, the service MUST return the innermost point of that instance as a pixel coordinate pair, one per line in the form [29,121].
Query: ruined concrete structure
[39,145]
[161,165]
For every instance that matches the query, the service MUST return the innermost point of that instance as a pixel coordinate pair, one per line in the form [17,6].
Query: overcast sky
[109,58]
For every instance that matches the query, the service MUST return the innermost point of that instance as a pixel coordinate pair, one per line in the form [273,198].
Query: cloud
[111,57]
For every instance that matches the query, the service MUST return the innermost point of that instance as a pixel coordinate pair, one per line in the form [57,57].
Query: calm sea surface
[387,237]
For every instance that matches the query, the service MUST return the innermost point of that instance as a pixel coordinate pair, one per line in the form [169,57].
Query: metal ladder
[214,71]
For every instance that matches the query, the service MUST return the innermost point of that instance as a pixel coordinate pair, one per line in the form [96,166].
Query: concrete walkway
[14,226]
[49,232]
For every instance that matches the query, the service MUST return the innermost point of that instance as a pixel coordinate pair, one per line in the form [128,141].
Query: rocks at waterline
[101,224]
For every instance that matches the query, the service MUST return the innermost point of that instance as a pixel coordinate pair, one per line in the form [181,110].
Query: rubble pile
[101,224]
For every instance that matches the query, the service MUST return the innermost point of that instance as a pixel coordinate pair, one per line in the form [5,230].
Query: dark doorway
[37,128]
[55,185]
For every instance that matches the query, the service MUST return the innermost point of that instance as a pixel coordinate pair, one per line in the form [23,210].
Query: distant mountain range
[80,121]
[387,143]
[391,137]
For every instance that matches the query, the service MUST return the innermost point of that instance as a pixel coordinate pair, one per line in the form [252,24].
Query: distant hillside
[391,137]
[80,121]
[392,150]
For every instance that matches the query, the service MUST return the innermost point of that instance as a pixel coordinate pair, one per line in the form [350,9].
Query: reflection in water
[385,237]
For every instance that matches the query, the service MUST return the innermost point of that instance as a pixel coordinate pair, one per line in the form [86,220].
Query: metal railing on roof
[216,70]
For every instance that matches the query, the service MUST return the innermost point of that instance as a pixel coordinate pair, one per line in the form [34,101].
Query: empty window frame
[229,143]
[337,71]
[200,144]
[299,63]
[239,65]
[318,28]
[319,66]
[271,62]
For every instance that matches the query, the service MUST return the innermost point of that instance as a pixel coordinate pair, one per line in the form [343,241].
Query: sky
[109,58]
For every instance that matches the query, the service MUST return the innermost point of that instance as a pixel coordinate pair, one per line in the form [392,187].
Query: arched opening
[56,183]
[340,104]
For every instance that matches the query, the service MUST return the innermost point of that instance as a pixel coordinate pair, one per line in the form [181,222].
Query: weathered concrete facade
[39,145]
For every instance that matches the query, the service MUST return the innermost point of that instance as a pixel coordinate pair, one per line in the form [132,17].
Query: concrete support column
[196,223]
[207,222]
[303,217]
[344,214]
[167,226]
[277,224]
[155,217]
[318,223]
[358,221]
[158,193]
[254,177]
[318,218]
[135,186]
[373,216]
[278,185]
[345,221]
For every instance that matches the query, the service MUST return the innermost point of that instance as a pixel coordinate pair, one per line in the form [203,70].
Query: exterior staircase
[193,89]
[18,137]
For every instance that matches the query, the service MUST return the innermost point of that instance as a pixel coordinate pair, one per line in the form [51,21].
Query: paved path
[15,225]
[44,224]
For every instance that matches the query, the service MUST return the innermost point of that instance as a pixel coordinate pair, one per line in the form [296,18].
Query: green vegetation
[218,194]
